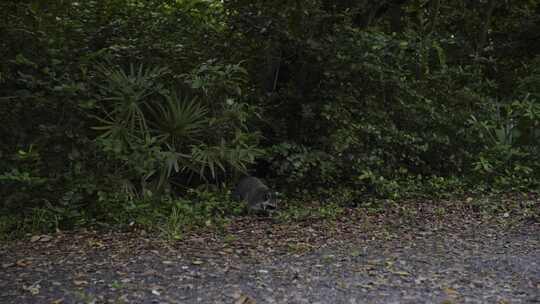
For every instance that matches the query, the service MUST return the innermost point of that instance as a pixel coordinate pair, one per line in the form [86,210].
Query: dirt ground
[454,258]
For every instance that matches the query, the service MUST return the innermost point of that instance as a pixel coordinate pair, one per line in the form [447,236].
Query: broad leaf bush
[115,109]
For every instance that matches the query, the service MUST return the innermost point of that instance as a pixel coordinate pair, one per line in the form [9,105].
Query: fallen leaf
[197,262]
[451,292]
[401,273]
[45,238]
[80,282]
[244,299]
[33,289]
[35,238]
[23,263]
[6,265]
[123,299]
[149,273]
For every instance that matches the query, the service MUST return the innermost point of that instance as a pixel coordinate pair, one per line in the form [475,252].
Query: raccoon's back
[247,186]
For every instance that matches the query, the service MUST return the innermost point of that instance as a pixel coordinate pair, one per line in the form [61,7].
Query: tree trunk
[396,13]
[482,39]
[434,8]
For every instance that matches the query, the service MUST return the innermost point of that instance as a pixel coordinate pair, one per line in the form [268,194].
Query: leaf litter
[359,258]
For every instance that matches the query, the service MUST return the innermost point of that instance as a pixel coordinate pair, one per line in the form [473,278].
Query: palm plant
[162,133]
[126,96]
[178,120]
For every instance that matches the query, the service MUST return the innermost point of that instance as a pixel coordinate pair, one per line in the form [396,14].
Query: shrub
[156,134]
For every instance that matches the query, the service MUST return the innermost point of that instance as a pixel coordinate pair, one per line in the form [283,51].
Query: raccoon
[256,194]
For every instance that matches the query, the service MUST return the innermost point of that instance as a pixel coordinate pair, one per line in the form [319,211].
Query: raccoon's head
[266,201]
[271,201]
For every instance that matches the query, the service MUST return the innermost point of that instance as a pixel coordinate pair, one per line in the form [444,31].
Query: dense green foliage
[123,107]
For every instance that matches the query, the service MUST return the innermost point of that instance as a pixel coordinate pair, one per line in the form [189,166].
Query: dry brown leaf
[245,299]
[45,238]
[80,282]
[451,292]
[401,273]
[23,263]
